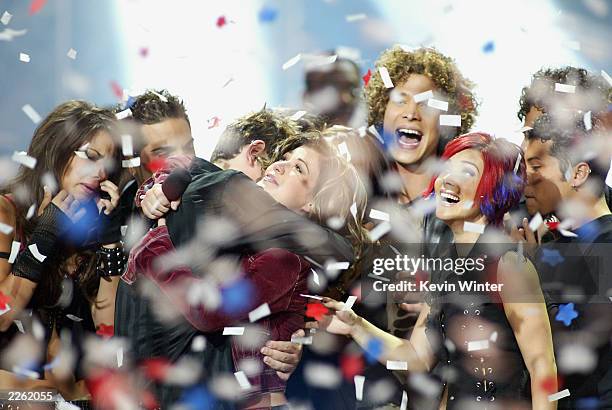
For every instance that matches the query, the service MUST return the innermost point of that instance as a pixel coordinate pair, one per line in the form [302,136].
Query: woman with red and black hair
[493,337]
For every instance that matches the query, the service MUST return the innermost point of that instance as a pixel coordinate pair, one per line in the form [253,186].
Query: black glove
[110,226]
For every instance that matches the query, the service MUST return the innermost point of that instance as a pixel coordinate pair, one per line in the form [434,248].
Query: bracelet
[111,262]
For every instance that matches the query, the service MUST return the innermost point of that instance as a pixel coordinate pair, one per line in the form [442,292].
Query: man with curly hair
[406,115]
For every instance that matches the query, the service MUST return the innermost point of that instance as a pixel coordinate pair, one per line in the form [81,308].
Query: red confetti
[551,385]
[552,225]
[215,122]
[156,369]
[221,21]
[351,365]
[106,331]
[316,311]
[117,90]
[156,164]
[4,299]
[144,52]
[366,78]
[36,6]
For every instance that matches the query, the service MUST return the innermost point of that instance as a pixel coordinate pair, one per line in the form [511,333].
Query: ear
[580,175]
[255,149]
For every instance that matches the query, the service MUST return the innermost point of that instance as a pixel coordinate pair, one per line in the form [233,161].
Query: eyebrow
[472,164]
[533,159]
[308,169]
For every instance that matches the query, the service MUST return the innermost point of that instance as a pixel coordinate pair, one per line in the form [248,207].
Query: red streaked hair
[500,187]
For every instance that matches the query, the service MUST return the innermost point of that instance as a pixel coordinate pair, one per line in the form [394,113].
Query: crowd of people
[134,274]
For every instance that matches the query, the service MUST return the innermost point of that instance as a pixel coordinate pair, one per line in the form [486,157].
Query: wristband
[110,262]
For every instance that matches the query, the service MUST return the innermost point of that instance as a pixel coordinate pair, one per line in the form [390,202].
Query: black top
[472,336]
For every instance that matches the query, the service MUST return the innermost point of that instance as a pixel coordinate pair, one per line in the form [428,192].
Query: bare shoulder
[7,212]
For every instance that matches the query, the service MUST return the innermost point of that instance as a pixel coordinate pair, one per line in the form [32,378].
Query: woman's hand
[342,321]
[108,205]
[64,201]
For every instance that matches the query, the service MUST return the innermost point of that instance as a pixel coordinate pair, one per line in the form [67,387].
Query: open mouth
[449,198]
[408,138]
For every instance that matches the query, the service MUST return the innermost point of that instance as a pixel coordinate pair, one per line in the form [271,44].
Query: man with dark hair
[567,167]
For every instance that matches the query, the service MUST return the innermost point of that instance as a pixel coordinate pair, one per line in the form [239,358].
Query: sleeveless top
[476,347]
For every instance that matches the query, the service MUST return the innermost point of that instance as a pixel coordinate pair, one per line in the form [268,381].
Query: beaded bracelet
[111,262]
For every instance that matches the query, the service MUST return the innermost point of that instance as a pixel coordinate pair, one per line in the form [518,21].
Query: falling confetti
[316,311]
[105,331]
[351,365]
[36,6]
[72,53]
[366,78]
[355,17]
[566,314]
[268,14]
[551,257]
[488,47]
[373,350]
[213,122]
[117,90]
[4,299]
[221,21]
[23,57]
[359,381]
[6,18]
[9,34]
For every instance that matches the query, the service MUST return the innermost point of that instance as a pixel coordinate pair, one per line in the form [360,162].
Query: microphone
[175,185]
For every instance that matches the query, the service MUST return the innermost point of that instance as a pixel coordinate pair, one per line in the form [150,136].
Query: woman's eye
[297,167]
[92,155]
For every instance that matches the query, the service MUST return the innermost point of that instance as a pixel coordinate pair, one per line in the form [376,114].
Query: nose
[451,181]
[279,167]
[410,110]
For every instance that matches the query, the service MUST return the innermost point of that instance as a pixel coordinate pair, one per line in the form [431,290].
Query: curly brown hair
[441,69]
[541,90]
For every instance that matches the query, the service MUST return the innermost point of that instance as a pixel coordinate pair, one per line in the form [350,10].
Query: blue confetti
[489,47]
[551,256]
[237,297]
[566,314]
[198,398]
[267,14]
[588,403]
[373,350]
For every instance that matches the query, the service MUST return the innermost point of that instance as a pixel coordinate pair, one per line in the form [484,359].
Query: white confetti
[424,96]
[359,381]
[8,34]
[297,115]
[322,375]
[353,210]
[130,163]
[566,233]
[19,325]
[337,266]
[379,231]
[39,256]
[386,78]
[61,404]
[127,148]
[350,301]
[31,113]
[6,18]
[71,54]
[565,88]
[525,129]
[31,211]
[23,57]
[124,229]
[518,162]
[123,114]
[292,61]
[7,307]
[437,104]
[5,229]
[588,121]
[478,345]
[380,215]
[493,337]
[355,17]
[535,222]
[305,340]
[15,246]
[233,331]
[397,365]
[404,403]
[450,120]
[198,344]
[243,380]
[31,374]
[74,318]
[161,97]
[607,77]
[120,357]
[473,227]
[315,297]
[375,132]
[315,276]
[259,313]
[559,395]
[344,151]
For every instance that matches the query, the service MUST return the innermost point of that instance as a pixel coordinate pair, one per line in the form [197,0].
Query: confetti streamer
[424,96]
[259,313]
[607,77]
[437,104]
[397,365]
[6,18]
[39,256]
[71,54]
[123,114]
[350,301]
[472,227]
[559,395]
[297,115]
[311,296]
[478,345]
[384,75]
[23,57]
[36,6]
[536,222]
[565,88]
[127,148]
[355,17]
[5,229]
[233,331]
[450,120]
[243,380]
[380,215]
[15,246]
[31,113]
[130,163]
[291,62]
[359,381]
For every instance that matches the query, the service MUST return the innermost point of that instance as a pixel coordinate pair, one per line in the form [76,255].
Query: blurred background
[226,58]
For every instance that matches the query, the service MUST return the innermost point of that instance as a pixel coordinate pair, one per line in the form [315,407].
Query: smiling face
[411,128]
[292,181]
[88,167]
[456,187]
